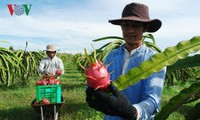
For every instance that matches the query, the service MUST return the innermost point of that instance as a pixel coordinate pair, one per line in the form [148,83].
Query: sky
[71,25]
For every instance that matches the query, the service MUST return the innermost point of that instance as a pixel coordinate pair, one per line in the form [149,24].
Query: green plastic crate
[51,92]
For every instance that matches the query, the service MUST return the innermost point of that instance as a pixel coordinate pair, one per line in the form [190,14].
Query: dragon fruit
[48,80]
[44,82]
[45,101]
[57,82]
[58,72]
[38,83]
[51,81]
[96,73]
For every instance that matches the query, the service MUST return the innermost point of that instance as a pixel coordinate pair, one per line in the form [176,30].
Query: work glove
[115,104]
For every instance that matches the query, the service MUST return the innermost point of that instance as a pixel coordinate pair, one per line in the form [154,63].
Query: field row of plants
[18,65]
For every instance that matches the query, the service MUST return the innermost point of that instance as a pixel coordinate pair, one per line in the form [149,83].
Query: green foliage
[182,75]
[190,61]
[183,70]
[31,60]
[65,56]
[79,60]
[193,114]
[157,62]
[18,64]
[150,44]
[103,51]
[185,96]
[8,62]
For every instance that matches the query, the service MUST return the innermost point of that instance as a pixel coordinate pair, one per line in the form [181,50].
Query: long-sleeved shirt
[145,95]
[48,65]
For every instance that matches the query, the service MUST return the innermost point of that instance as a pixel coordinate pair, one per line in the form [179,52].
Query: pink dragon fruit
[58,72]
[51,81]
[44,82]
[97,75]
[57,82]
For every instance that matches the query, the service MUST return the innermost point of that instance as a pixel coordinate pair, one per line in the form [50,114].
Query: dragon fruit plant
[96,73]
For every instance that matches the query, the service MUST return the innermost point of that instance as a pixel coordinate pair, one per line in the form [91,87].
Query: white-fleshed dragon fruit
[96,73]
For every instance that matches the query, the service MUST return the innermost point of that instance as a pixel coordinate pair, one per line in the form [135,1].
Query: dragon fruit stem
[81,66]
[95,55]
[87,56]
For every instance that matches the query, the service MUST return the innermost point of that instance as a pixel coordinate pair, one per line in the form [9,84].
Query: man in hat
[49,65]
[139,101]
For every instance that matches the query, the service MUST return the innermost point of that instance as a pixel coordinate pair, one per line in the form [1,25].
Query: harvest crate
[51,92]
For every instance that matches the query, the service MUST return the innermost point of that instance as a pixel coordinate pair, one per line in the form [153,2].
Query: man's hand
[58,72]
[48,73]
[116,104]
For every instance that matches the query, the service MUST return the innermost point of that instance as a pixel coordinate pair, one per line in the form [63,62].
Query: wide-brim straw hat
[138,12]
[51,48]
